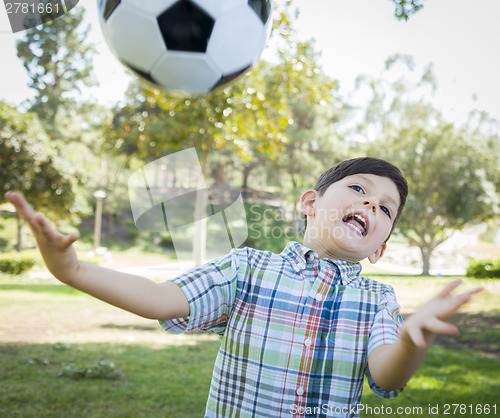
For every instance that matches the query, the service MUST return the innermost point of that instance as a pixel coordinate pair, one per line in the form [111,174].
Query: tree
[451,170]
[312,106]
[450,174]
[152,124]
[29,163]
[406,8]
[259,120]
[58,60]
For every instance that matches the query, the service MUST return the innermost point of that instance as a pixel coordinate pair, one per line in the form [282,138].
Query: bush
[166,241]
[481,269]
[17,263]
[132,230]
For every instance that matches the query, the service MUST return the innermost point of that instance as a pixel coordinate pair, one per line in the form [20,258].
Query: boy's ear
[377,255]
[307,201]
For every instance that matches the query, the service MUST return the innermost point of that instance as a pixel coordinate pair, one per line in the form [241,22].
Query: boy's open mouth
[356,222]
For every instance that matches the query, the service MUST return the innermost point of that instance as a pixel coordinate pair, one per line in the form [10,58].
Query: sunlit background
[459,37]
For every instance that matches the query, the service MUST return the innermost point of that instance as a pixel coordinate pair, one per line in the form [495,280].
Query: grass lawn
[64,354]
[169,381]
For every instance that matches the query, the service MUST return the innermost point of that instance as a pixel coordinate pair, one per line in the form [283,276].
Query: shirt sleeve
[385,330]
[210,290]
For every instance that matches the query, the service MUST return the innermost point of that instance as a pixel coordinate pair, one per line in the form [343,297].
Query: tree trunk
[219,174]
[247,169]
[20,243]
[200,233]
[426,260]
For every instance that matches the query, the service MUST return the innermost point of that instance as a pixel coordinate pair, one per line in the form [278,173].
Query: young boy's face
[352,219]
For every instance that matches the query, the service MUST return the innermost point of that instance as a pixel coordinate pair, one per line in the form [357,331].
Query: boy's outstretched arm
[391,366]
[133,293]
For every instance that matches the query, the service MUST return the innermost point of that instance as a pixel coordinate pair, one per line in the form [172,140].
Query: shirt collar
[299,256]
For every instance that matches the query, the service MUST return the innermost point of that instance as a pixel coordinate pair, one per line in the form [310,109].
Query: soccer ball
[186,46]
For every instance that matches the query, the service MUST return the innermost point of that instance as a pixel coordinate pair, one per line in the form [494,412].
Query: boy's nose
[370,204]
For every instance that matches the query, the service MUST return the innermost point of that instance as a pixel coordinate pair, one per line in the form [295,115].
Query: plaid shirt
[296,331]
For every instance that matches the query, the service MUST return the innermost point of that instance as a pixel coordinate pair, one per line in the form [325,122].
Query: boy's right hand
[133,293]
[56,249]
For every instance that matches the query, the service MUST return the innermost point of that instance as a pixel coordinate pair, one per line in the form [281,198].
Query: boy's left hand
[430,318]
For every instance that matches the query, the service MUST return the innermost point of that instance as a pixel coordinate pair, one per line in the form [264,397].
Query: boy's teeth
[356,228]
[359,219]
[357,223]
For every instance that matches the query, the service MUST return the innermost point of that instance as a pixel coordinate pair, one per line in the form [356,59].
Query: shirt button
[300,391]
[319,297]
[307,342]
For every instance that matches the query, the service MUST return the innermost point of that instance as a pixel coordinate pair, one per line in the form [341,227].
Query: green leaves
[406,8]
[452,171]
[279,117]
[59,63]
[29,162]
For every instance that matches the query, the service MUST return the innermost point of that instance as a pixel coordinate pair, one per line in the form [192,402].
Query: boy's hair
[365,165]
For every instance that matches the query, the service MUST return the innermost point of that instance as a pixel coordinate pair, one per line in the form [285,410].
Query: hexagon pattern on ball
[193,72]
[186,46]
[186,27]
[262,8]
[106,7]
[141,46]
[224,49]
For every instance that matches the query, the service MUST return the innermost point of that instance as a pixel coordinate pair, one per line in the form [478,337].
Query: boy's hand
[56,249]
[430,318]
[133,293]
[392,365]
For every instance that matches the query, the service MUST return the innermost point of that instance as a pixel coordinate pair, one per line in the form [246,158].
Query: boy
[301,328]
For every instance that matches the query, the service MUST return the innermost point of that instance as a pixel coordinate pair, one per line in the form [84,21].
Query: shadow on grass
[447,377]
[133,327]
[171,381]
[461,370]
[478,331]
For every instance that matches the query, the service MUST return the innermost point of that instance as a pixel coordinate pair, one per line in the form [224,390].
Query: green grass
[46,289]
[171,381]
[448,376]
[163,379]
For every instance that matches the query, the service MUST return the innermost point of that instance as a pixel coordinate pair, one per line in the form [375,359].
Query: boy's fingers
[19,201]
[69,240]
[24,209]
[455,302]
[43,223]
[436,326]
[445,291]
[63,241]
[417,337]
[476,290]
[451,305]
[38,222]
[46,229]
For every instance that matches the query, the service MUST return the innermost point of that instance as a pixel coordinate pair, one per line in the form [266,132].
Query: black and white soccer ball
[187,46]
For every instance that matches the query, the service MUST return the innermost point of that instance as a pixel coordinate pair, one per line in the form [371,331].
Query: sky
[459,37]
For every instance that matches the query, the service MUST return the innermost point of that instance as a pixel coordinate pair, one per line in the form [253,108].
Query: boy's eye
[357,188]
[385,210]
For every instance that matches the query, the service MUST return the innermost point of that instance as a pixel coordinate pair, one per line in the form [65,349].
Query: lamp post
[99,197]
